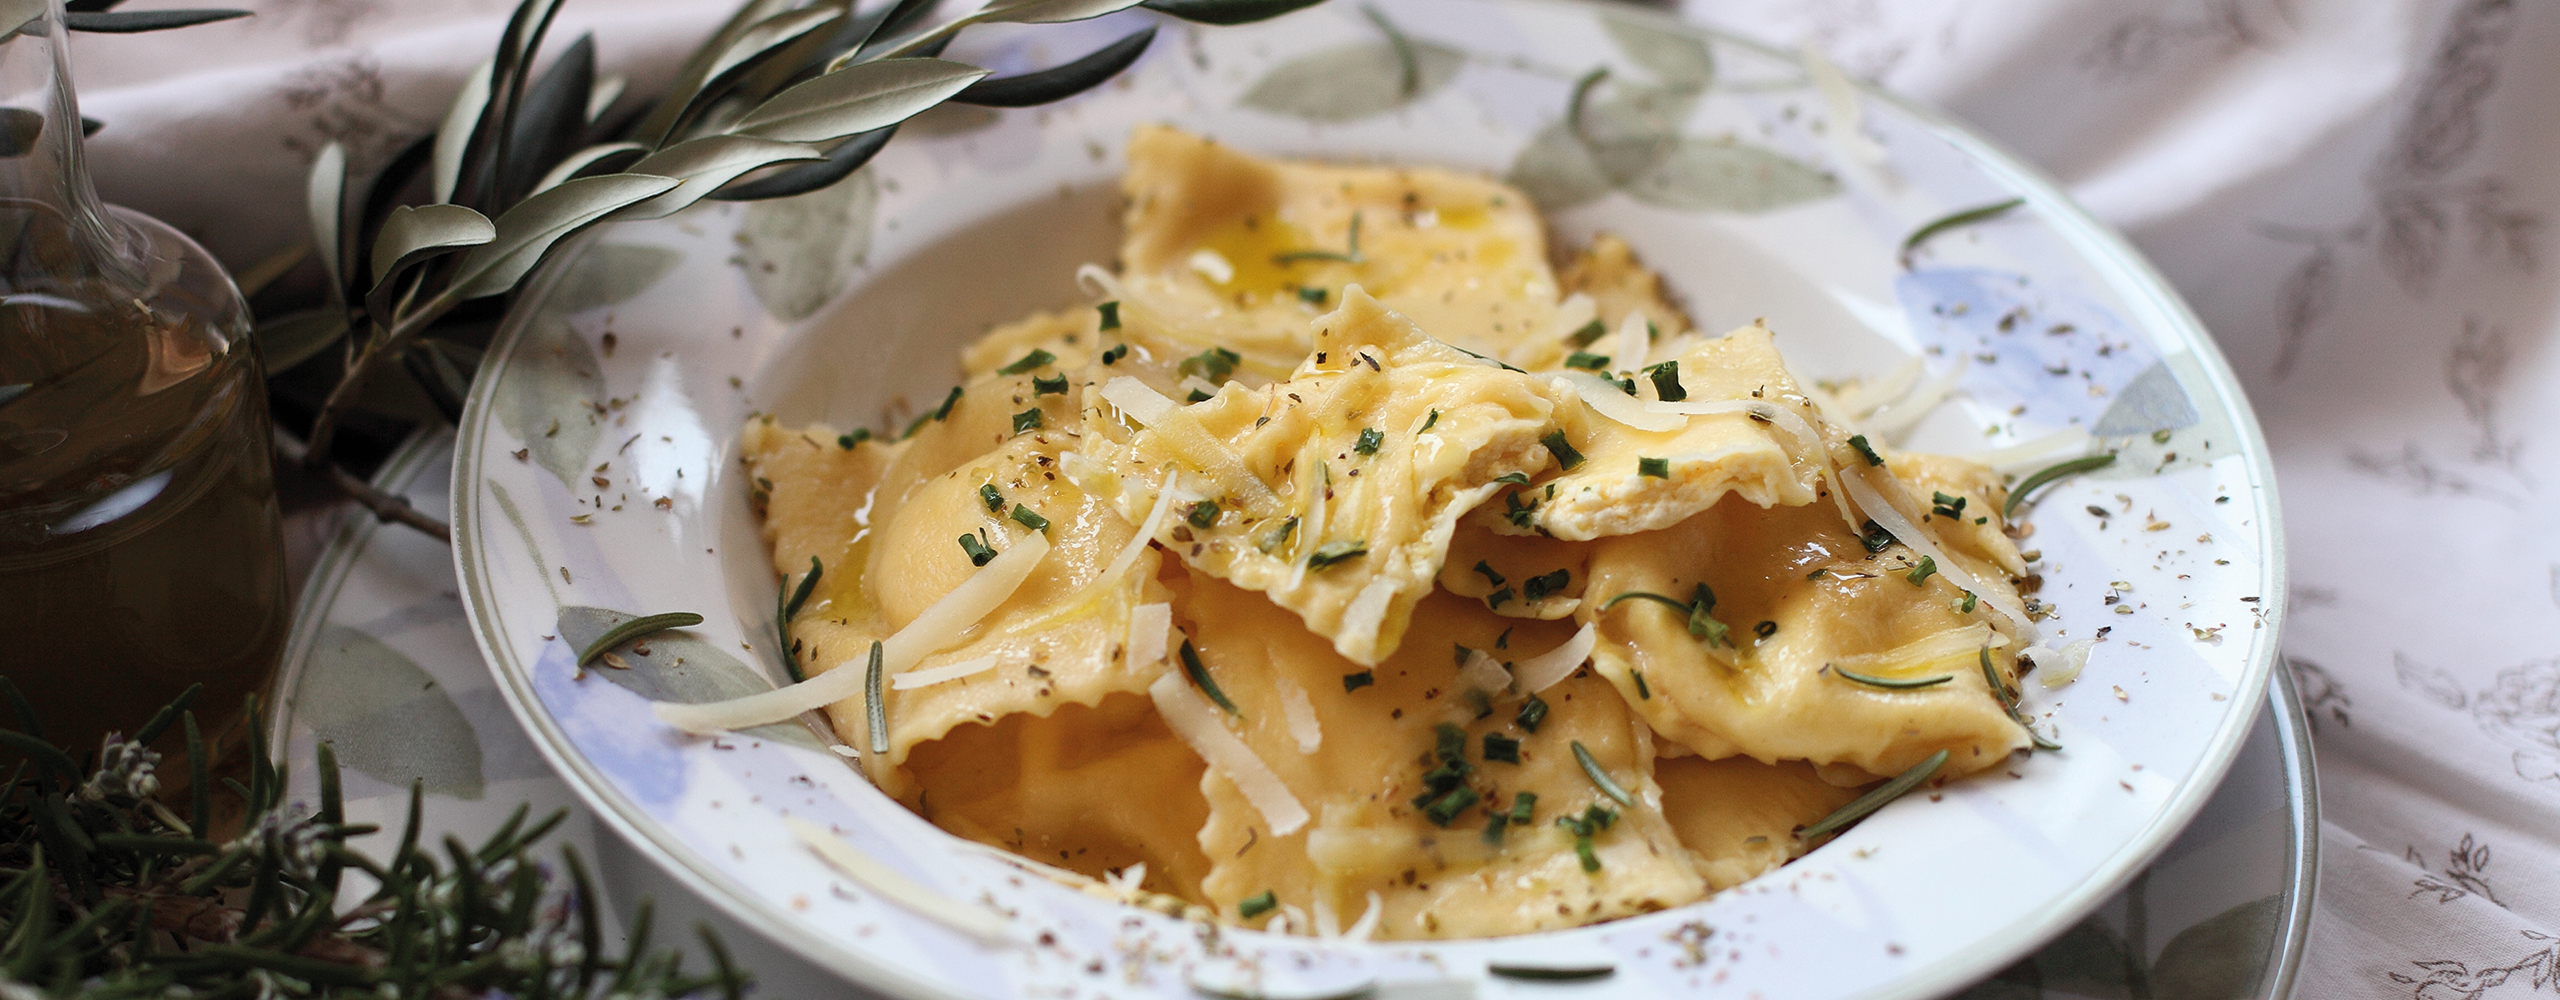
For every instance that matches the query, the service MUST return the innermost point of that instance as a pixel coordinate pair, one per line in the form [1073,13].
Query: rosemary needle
[1967,217]
[1893,683]
[634,629]
[876,716]
[1858,809]
[2050,473]
[1200,675]
[1553,973]
[1600,776]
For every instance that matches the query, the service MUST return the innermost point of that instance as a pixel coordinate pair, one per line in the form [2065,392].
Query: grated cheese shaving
[976,921]
[1149,626]
[1635,340]
[931,676]
[1883,513]
[1301,716]
[1542,671]
[1605,398]
[1190,440]
[1198,723]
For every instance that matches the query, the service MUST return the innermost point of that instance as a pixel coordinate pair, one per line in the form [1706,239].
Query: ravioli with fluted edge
[1343,568]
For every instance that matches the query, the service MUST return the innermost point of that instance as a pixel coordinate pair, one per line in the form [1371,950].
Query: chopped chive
[1051,386]
[943,412]
[1513,478]
[2051,473]
[1892,683]
[1370,439]
[876,710]
[1877,539]
[1532,712]
[800,595]
[1818,574]
[857,436]
[1587,361]
[1495,823]
[1445,809]
[1212,365]
[1554,973]
[1859,808]
[1644,692]
[1029,518]
[1255,906]
[1626,385]
[1521,517]
[1494,601]
[1036,359]
[1196,396]
[1563,450]
[1311,296]
[1582,848]
[1113,356]
[1334,552]
[916,425]
[1969,601]
[1599,776]
[1658,468]
[1920,574]
[1951,508]
[994,500]
[634,629]
[1860,442]
[1537,588]
[1765,629]
[1451,741]
[1589,334]
[1491,577]
[1350,254]
[1202,515]
[977,550]
[1666,382]
[1523,806]
[1200,675]
[1110,321]
[1354,682]
[1276,537]
[1501,748]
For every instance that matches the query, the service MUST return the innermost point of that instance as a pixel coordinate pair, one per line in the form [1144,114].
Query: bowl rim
[2141,285]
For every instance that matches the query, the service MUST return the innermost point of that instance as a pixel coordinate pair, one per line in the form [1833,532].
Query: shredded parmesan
[1635,340]
[1542,671]
[930,676]
[1213,266]
[1197,722]
[1190,440]
[976,921]
[1605,398]
[1905,413]
[2033,451]
[1301,716]
[1097,280]
[1138,400]
[937,628]
[1865,397]
[1149,625]
[1367,925]
[1885,514]
[1128,555]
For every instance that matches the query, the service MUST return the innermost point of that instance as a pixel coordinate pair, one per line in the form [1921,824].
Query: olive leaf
[296,337]
[413,234]
[527,231]
[765,36]
[840,163]
[857,98]
[696,70]
[1558,171]
[1354,81]
[129,22]
[1227,11]
[551,122]
[325,196]
[584,159]
[1674,55]
[1062,81]
[453,139]
[1052,11]
[704,164]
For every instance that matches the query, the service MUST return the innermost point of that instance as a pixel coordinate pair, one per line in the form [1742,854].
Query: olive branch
[787,97]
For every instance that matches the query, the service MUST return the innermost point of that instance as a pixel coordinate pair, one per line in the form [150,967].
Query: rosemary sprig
[875,707]
[636,628]
[1349,255]
[1967,217]
[2009,697]
[1860,807]
[1600,776]
[1199,674]
[1892,683]
[2050,473]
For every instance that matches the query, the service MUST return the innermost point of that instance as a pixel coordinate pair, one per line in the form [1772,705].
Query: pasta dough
[1339,482]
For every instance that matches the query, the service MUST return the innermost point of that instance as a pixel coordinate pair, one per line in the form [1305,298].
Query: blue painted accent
[2065,357]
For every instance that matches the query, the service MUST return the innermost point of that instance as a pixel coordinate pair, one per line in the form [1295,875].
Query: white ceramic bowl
[634,357]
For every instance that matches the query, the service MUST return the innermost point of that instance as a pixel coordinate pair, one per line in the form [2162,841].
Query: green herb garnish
[1967,217]
[1765,629]
[1644,692]
[1196,396]
[1334,552]
[1501,748]
[1202,515]
[977,550]
[1513,478]
[1951,508]
[1700,608]
[1537,588]
[1255,906]
[1892,683]
[1590,333]
[1600,776]
[1491,577]
[2009,702]
[1969,601]
[1110,321]
[1029,518]
[1860,807]
[1562,449]
[1859,442]
[857,436]
[1370,439]
[1920,574]
[638,627]
[1554,973]
[1431,421]
[1354,682]
[1877,539]
[1666,382]
[1200,675]
[1349,255]
[1276,537]
[1445,809]
[1212,365]
[1311,296]
[1495,823]
[1113,356]
[1052,386]
[994,500]
[1036,359]
[2051,473]
[1494,601]
[1587,361]
[1522,807]
[943,412]
[1532,712]
[875,715]
[1658,468]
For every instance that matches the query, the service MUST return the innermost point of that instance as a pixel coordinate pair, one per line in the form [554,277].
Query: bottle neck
[51,221]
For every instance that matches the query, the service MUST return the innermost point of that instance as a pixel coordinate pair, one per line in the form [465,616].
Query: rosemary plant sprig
[2050,473]
[1893,683]
[1860,807]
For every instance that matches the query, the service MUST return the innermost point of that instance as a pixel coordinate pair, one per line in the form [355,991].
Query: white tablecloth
[2352,193]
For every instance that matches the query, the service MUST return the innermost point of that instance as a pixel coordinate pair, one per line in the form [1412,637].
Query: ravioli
[1335,492]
